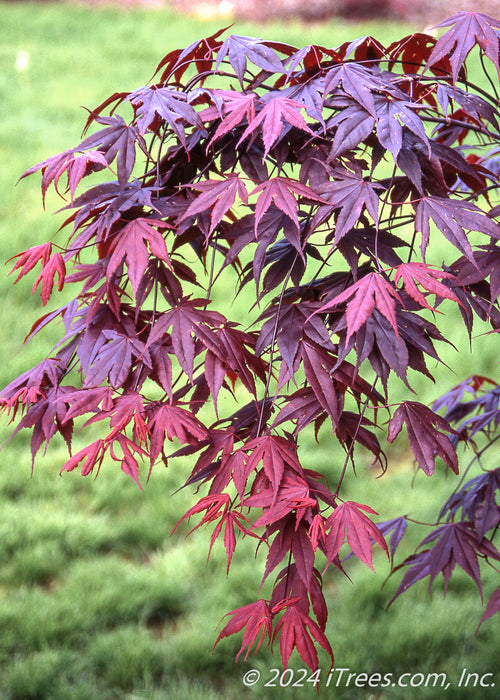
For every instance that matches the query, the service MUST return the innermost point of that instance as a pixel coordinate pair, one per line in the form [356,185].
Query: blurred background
[96,599]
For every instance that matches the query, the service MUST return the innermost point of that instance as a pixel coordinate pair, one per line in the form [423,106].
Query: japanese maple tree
[316,183]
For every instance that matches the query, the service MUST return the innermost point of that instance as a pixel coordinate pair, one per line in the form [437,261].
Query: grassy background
[96,600]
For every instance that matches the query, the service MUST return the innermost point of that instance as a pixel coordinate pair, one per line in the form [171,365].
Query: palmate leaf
[426,441]
[348,519]
[297,631]
[370,292]
[392,116]
[239,49]
[453,218]
[282,192]
[468,29]
[257,618]
[492,607]
[236,108]
[218,196]
[457,543]
[116,140]
[271,117]
[54,266]
[419,273]
[350,195]
[129,245]
[154,103]
[200,54]
[358,81]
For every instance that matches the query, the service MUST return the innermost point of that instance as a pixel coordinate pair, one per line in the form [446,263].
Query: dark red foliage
[314,181]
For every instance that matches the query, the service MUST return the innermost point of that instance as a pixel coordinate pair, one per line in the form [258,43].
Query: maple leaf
[54,266]
[492,607]
[453,218]
[229,520]
[477,498]
[117,140]
[280,191]
[426,440]
[398,528]
[199,53]
[457,543]
[350,195]
[392,116]
[127,459]
[468,29]
[297,631]
[373,291]
[358,81]
[240,48]
[292,496]
[276,454]
[92,454]
[257,618]
[271,118]
[113,359]
[348,520]
[173,422]
[352,124]
[129,245]
[30,257]
[420,273]
[236,108]
[186,319]
[218,196]
[77,167]
[50,168]
[410,51]
[155,102]
[212,504]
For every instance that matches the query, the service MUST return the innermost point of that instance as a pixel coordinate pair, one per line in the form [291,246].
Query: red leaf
[212,504]
[170,105]
[271,116]
[453,217]
[116,140]
[297,630]
[199,53]
[91,454]
[229,521]
[425,440]
[218,196]
[420,273]
[237,106]
[468,29]
[350,195]
[129,245]
[362,533]
[281,191]
[30,257]
[275,452]
[370,292]
[54,266]
[492,607]
[174,422]
[257,618]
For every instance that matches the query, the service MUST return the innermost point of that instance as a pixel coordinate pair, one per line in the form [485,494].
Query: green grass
[96,599]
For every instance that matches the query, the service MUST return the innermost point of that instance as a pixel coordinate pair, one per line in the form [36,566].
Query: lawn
[96,599]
